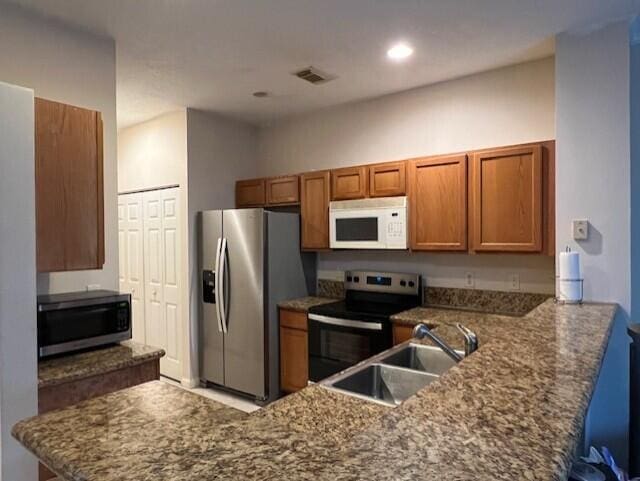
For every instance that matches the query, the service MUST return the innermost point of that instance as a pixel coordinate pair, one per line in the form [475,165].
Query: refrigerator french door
[250,261]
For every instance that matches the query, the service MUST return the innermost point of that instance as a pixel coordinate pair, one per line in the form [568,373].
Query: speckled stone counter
[64,369]
[303,304]
[513,410]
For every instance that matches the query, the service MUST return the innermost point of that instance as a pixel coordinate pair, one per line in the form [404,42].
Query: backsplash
[330,288]
[502,302]
[497,302]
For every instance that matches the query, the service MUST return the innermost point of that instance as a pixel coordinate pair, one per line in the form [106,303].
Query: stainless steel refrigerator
[250,260]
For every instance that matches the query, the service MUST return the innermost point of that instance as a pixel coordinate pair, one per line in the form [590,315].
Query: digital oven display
[379,280]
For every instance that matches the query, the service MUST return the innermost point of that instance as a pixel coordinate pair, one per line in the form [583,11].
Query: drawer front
[293,319]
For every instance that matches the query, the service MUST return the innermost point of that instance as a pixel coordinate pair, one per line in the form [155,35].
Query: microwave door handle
[222,298]
[218,284]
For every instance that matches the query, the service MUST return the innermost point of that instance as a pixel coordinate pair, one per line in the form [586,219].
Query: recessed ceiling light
[261,94]
[399,51]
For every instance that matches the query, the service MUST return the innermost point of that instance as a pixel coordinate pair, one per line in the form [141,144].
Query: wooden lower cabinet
[401,333]
[294,351]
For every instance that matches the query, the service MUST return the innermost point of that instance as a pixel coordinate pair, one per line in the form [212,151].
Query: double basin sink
[394,375]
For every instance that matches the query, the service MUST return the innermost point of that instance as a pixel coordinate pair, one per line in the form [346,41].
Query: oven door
[337,344]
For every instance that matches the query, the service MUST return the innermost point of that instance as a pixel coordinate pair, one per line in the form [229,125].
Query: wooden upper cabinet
[438,203]
[387,180]
[349,183]
[69,187]
[250,193]
[507,207]
[314,210]
[283,190]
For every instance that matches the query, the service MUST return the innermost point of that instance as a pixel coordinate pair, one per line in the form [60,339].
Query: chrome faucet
[470,340]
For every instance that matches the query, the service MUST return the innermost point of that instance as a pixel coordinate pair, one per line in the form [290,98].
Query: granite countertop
[63,369]
[303,304]
[512,410]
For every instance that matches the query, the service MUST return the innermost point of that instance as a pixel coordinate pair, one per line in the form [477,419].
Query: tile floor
[222,397]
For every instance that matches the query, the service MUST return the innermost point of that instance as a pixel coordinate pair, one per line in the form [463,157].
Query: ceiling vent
[313,75]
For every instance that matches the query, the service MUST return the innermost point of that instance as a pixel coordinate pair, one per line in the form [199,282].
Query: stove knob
[412,284]
[403,283]
[356,279]
[349,278]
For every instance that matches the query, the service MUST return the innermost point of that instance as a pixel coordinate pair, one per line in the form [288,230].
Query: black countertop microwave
[80,320]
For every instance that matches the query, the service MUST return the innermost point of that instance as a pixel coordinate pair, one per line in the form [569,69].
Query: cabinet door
[349,183]
[294,359]
[69,187]
[387,180]
[401,333]
[314,210]
[507,200]
[438,203]
[250,193]
[283,190]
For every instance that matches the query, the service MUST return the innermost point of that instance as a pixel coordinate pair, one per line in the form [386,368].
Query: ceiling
[213,54]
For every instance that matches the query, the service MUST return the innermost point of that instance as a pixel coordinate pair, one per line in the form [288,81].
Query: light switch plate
[580,229]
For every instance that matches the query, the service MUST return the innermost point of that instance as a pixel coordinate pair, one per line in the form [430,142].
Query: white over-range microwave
[378,223]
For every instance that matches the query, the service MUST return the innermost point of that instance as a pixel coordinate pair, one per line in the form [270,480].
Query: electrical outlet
[580,229]
[469,279]
[514,282]
[93,287]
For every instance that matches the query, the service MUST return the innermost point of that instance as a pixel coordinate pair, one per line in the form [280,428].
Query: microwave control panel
[396,230]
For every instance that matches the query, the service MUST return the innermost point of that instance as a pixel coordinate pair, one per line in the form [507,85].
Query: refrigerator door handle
[218,284]
[222,295]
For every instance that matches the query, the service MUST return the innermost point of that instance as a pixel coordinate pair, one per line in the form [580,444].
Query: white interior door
[131,245]
[163,326]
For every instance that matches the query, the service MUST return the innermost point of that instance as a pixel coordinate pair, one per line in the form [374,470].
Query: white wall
[592,182]
[220,151]
[76,68]
[18,370]
[506,106]
[152,155]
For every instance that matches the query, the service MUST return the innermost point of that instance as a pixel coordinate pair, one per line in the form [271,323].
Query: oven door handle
[336,321]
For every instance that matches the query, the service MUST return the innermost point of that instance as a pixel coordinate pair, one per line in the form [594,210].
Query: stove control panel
[397,283]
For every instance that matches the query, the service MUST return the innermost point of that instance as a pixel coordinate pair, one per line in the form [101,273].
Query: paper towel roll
[570,278]
[569,266]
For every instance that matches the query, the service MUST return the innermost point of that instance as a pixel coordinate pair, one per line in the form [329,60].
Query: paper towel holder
[557,300]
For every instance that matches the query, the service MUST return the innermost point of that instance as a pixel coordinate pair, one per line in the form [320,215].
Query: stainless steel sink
[429,359]
[392,376]
[382,383]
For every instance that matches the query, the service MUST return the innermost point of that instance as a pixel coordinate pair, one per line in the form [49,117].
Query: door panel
[245,339]
[131,262]
[172,328]
[163,327]
[212,340]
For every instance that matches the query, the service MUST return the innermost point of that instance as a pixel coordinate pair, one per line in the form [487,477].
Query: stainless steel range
[346,332]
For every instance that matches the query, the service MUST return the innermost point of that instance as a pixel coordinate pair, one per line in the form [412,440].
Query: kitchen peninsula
[512,410]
